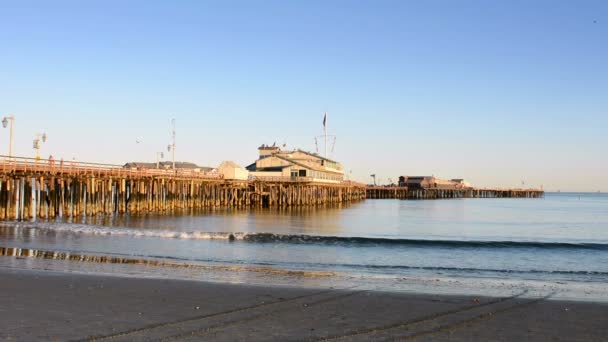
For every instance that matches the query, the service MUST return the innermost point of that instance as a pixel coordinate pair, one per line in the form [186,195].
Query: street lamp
[4,124]
[38,140]
[159,156]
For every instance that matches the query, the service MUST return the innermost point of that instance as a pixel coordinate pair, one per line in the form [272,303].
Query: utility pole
[325,132]
[5,121]
[171,147]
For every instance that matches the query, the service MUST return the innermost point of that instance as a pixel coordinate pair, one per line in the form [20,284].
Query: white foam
[124,231]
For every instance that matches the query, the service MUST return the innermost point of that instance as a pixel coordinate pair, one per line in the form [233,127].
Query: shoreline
[220,273]
[55,305]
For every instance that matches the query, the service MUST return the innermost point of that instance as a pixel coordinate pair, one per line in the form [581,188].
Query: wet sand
[42,305]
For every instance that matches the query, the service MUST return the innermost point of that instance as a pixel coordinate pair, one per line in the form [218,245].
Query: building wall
[270,162]
[266,173]
[312,166]
[230,172]
[417,183]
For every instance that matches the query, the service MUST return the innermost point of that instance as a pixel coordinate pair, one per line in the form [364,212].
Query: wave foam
[301,238]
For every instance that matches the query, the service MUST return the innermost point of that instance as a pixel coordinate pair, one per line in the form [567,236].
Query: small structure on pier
[295,164]
[461,182]
[232,171]
[431,182]
[168,165]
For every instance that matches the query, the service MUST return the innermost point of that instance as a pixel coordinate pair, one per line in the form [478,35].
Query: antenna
[325,136]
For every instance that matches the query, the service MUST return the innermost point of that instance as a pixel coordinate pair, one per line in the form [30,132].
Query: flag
[325,119]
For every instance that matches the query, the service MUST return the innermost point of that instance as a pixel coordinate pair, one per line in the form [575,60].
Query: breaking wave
[299,238]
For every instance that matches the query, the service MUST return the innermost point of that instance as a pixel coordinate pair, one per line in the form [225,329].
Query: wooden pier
[31,189]
[379,192]
[384,192]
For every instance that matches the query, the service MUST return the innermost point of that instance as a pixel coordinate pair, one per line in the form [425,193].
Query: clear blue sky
[493,91]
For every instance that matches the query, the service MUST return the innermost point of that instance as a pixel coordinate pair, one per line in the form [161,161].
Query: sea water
[562,237]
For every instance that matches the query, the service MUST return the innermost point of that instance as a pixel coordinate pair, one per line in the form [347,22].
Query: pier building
[431,182]
[166,165]
[231,170]
[295,164]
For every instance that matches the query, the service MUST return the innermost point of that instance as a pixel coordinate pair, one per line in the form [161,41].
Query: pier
[401,192]
[385,192]
[31,189]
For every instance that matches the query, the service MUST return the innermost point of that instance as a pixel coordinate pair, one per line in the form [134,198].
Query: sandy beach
[44,305]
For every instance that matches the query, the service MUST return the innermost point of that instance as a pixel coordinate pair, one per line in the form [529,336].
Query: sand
[43,305]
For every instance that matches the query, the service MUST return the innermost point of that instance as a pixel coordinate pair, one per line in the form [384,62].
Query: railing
[280,179]
[353,183]
[21,164]
[77,168]
[383,187]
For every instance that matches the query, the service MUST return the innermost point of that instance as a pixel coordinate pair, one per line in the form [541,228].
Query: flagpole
[325,132]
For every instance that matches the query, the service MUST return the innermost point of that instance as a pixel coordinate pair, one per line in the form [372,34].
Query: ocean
[562,238]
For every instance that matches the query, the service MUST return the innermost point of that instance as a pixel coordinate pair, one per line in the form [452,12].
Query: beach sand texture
[41,305]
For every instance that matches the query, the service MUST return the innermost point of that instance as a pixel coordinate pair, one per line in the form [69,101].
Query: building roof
[142,165]
[230,163]
[305,165]
[316,156]
[418,177]
[167,164]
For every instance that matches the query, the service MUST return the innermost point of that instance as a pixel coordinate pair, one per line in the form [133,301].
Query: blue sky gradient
[492,91]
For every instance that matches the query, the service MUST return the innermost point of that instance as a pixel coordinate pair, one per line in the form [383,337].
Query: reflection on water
[302,219]
[560,222]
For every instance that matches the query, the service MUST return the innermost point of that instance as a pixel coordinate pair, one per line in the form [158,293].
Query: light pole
[4,124]
[159,156]
[171,146]
[38,140]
